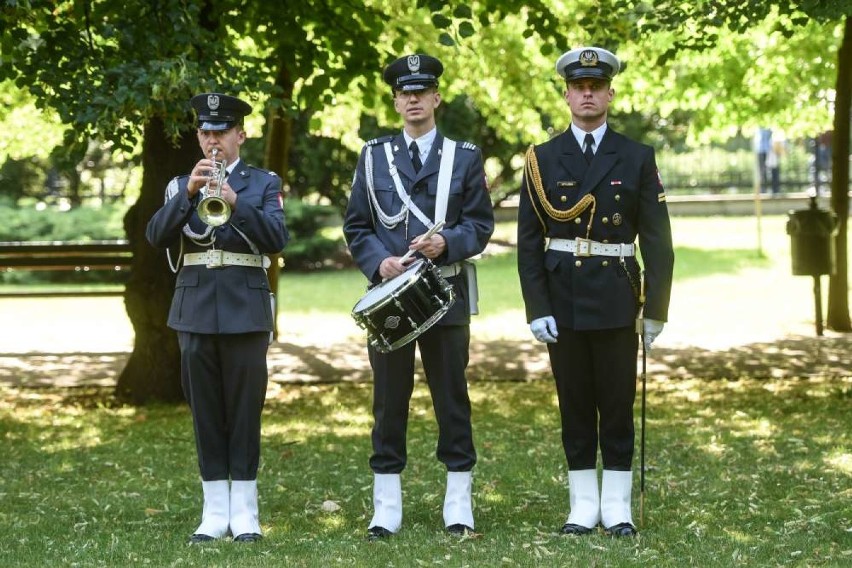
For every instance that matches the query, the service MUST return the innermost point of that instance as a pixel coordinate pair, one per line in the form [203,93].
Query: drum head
[378,293]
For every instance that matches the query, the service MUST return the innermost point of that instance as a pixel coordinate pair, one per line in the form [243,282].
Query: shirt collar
[580,135]
[424,143]
[232,166]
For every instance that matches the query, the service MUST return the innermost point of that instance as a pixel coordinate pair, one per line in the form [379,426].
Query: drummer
[404,184]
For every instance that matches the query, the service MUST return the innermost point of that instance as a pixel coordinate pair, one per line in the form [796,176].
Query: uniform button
[605,220]
[617,197]
[563,199]
[605,263]
[578,263]
[578,220]
[605,241]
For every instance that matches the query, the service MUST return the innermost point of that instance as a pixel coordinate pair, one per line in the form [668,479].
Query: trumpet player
[223,216]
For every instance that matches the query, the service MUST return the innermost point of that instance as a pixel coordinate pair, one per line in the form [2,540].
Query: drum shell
[407,312]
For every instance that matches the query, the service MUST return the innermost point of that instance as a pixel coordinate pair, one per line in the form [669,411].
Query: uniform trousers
[224,381]
[444,353]
[595,374]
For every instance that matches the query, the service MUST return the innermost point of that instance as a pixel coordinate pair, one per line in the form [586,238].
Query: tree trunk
[153,371]
[277,156]
[838,284]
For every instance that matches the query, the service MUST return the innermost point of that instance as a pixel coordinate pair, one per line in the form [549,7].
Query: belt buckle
[215,258]
[582,247]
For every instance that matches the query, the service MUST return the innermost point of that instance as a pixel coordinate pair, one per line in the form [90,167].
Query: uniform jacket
[469,219]
[595,292]
[230,299]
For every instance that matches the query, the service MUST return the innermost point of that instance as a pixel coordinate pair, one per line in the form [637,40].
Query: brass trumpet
[212,209]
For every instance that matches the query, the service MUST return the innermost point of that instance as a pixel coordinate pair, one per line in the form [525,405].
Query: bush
[309,247]
[50,224]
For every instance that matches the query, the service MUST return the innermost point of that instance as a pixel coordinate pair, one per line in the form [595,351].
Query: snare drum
[400,309]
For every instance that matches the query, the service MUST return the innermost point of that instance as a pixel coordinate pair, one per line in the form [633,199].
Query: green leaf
[466,29]
[441,22]
[446,39]
[436,5]
[463,11]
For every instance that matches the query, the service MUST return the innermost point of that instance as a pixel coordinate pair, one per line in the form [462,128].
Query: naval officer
[586,196]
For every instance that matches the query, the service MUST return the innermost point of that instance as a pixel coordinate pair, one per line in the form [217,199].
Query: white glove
[651,329]
[544,329]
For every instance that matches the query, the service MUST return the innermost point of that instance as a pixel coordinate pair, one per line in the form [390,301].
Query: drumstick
[427,235]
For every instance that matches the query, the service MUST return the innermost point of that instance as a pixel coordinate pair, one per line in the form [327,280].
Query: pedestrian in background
[777,150]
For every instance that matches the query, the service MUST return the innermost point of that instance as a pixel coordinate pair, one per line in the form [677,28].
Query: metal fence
[802,165]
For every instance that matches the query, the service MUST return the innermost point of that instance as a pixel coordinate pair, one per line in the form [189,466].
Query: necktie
[588,154]
[415,156]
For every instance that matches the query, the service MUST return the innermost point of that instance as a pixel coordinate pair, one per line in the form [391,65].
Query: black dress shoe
[571,528]
[375,533]
[198,538]
[248,537]
[621,529]
[459,529]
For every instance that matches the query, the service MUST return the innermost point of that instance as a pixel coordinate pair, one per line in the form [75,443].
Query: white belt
[586,247]
[217,258]
[450,270]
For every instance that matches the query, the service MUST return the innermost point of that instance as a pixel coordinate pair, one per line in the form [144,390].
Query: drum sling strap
[445,174]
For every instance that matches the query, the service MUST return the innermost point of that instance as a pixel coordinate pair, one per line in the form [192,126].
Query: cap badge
[414,63]
[213,101]
[588,58]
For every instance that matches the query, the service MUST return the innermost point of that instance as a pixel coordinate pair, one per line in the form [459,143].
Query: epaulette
[468,145]
[172,188]
[267,172]
[379,140]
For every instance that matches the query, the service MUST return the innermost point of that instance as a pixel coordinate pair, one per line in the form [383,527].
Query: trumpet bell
[214,211]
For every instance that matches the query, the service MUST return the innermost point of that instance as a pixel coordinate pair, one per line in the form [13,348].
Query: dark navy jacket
[596,292]
[230,299]
[469,219]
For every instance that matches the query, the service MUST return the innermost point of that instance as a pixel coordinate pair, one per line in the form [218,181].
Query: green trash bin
[812,234]
[812,250]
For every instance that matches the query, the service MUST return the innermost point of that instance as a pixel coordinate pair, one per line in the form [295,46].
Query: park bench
[64,256]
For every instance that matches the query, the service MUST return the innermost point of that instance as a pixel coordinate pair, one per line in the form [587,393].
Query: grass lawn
[745,472]
[749,449]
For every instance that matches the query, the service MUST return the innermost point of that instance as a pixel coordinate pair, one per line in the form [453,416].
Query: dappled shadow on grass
[38,370]
[497,360]
[796,357]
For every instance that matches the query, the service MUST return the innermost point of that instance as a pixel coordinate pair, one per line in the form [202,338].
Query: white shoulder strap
[400,191]
[445,175]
